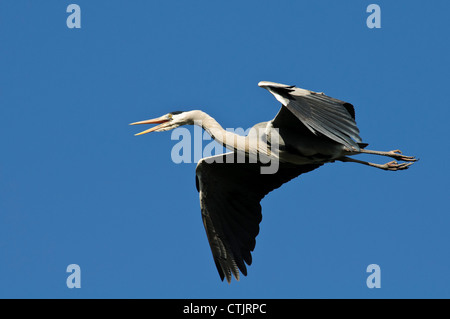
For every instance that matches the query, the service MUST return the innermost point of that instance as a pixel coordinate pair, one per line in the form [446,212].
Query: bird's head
[167,122]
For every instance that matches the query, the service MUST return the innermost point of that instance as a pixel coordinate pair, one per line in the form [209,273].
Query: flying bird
[310,130]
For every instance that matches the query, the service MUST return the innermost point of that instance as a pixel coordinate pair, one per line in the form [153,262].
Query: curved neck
[228,139]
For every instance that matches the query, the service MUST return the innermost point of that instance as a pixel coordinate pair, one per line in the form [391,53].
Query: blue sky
[76,187]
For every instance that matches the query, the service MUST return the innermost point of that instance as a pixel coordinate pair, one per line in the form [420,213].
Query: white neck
[228,139]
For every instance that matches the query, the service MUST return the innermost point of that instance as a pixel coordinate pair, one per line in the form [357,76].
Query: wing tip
[228,269]
[267,84]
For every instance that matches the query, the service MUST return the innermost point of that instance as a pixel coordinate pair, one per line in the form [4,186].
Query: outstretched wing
[230,195]
[319,113]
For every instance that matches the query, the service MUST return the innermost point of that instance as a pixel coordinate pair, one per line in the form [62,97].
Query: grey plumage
[311,129]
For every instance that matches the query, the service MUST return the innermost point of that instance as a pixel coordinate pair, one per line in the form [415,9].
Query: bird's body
[310,129]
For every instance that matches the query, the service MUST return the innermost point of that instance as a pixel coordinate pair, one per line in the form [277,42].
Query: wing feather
[230,195]
[320,113]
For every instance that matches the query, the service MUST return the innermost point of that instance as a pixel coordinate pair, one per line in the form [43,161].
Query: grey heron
[311,128]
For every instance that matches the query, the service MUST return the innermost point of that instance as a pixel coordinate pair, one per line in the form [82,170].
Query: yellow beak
[158,120]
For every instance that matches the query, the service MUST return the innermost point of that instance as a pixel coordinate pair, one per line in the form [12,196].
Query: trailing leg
[395,154]
[391,166]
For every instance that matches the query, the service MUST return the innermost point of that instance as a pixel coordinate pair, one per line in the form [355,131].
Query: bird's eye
[170,115]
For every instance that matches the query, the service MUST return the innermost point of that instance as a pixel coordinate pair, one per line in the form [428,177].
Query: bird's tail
[363,145]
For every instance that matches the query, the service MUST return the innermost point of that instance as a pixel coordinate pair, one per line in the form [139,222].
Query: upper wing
[319,113]
[230,195]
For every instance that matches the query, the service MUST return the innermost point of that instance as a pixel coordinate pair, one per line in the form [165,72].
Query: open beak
[160,120]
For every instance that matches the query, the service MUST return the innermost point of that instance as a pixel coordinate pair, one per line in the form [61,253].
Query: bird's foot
[394,166]
[397,154]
